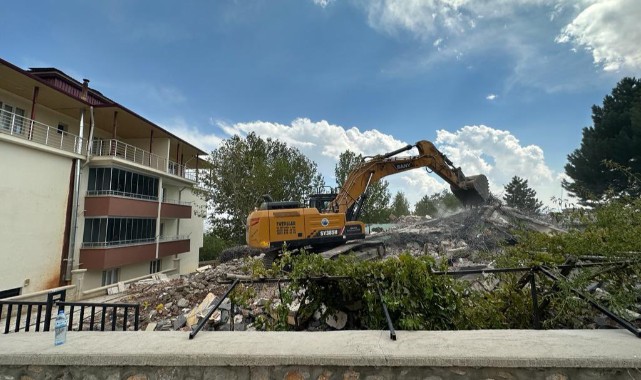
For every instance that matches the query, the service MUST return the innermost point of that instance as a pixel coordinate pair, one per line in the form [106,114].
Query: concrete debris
[151,326]
[337,320]
[119,288]
[192,317]
[459,235]
[182,303]
[166,300]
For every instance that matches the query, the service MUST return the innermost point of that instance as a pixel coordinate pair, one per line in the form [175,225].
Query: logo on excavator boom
[324,222]
[402,166]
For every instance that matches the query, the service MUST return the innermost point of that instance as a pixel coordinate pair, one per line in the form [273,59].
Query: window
[118,231]
[11,118]
[110,276]
[154,266]
[5,116]
[121,182]
[15,292]
[62,128]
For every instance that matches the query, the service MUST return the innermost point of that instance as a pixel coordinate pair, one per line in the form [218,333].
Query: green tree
[243,169]
[446,201]
[400,205]
[616,137]
[212,247]
[425,206]
[437,204]
[520,196]
[376,207]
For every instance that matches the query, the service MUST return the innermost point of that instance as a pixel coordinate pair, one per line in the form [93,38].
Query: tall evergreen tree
[376,207]
[520,196]
[615,137]
[400,205]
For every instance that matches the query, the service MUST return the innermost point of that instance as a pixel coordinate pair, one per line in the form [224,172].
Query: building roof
[60,82]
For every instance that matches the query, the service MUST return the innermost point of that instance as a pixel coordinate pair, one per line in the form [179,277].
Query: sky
[502,87]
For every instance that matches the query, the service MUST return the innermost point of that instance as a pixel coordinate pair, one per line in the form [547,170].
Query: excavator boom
[469,190]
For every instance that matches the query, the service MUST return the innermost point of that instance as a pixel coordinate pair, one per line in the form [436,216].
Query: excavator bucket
[476,191]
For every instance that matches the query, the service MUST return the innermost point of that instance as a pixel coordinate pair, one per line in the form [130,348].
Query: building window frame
[155,266]
[12,118]
[110,276]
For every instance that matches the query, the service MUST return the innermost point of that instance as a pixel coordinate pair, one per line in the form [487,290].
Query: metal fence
[558,276]
[38,315]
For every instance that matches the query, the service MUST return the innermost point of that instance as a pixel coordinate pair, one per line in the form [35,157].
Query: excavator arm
[469,190]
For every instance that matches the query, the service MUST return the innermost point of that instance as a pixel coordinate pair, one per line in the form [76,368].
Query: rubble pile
[180,302]
[458,236]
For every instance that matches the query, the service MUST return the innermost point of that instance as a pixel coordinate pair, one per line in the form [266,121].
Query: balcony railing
[119,149]
[121,243]
[172,238]
[176,202]
[34,131]
[122,194]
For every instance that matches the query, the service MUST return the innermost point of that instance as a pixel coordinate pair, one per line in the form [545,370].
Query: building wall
[193,227]
[35,193]
[35,183]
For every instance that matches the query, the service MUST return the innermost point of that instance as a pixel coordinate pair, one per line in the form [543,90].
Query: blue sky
[503,87]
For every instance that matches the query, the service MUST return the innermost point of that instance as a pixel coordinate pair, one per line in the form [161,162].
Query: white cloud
[429,17]
[491,97]
[499,155]
[524,32]
[476,149]
[321,141]
[191,134]
[610,30]
[323,3]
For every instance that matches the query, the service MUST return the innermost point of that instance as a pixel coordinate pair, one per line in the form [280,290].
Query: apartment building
[89,186]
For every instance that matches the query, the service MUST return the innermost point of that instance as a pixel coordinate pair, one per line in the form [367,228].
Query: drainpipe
[179,200]
[91,129]
[161,194]
[34,99]
[74,208]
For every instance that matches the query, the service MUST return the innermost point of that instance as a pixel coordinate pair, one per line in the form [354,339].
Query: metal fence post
[535,302]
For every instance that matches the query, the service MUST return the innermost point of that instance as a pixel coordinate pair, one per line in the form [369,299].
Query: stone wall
[308,373]
[346,355]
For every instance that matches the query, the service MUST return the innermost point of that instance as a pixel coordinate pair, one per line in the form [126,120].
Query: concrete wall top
[485,348]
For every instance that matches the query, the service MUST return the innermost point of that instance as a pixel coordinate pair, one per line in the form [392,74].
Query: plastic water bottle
[61,328]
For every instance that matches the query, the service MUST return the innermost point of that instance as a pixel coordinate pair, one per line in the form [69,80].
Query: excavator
[329,223]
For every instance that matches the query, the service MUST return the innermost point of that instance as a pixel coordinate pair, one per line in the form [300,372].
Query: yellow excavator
[329,223]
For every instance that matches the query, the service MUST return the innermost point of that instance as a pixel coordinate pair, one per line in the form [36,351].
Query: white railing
[122,243]
[119,149]
[34,131]
[128,152]
[122,194]
[172,238]
[176,202]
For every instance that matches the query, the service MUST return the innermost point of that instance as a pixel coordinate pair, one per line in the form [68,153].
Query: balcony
[175,209]
[124,151]
[30,130]
[108,205]
[116,256]
[99,256]
[173,245]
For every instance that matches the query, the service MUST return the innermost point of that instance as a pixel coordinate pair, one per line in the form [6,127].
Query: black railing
[100,311]
[529,278]
[43,313]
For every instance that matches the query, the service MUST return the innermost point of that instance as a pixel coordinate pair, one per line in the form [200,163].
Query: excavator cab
[322,199]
